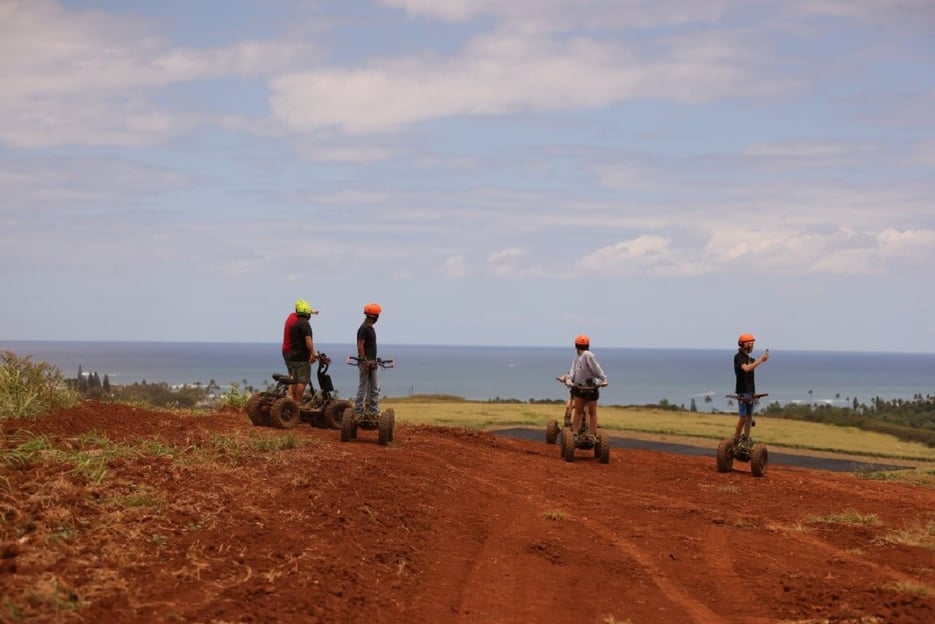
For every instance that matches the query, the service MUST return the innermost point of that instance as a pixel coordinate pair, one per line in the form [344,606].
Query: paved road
[787,459]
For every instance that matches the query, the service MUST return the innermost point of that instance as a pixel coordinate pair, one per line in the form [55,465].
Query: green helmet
[302,307]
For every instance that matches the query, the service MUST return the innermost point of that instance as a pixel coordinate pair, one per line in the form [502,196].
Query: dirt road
[201,518]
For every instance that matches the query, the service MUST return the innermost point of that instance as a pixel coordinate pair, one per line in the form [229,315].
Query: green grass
[29,389]
[454,411]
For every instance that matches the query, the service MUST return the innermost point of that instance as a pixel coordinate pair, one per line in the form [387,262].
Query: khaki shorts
[300,371]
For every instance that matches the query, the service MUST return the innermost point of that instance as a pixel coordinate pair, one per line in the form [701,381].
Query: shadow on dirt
[786,459]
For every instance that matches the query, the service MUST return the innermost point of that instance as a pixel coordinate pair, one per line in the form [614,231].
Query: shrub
[30,389]
[236,398]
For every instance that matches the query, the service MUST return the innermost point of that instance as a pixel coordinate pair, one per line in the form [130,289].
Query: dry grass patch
[913,588]
[919,534]
[848,517]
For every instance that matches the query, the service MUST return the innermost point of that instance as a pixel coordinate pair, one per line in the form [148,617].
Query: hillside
[115,513]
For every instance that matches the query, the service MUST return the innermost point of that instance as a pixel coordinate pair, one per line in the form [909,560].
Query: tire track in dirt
[515,495]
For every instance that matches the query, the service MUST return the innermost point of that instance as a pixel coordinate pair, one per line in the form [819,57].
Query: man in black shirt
[368,387]
[745,388]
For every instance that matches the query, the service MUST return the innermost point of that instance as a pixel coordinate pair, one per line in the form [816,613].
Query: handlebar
[356,361]
[562,380]
[740,398]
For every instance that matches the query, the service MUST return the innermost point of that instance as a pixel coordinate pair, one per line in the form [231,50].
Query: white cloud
[506,255]
[810,153]
[87,78]
[563,15]
[646,253]
[504,73]
[514,262]
[906,242]
[918,12]
[779,251]
[453,267]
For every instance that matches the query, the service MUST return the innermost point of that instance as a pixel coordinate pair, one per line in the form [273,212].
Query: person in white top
[585,378]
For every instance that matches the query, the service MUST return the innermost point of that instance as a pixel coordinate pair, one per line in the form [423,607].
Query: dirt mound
[114,513]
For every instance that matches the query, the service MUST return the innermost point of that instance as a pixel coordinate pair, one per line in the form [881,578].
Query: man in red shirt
[298,349]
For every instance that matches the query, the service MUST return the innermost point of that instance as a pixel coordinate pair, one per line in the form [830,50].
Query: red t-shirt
[293,338]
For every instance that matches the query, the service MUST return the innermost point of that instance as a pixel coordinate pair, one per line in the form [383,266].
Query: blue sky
[651,173]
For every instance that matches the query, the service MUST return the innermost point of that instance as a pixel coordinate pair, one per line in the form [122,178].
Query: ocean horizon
[637,376]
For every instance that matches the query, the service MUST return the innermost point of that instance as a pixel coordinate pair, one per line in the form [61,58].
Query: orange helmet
[372,309]
[583,341]
[745,338]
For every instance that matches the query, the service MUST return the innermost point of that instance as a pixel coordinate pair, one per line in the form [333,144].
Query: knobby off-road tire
[334,414]
[385,428]
[347,425]
[284,413]
[759,459]
[568,445]
[255,410]
[392,416]
[725,455]
[551,432]
[602,448]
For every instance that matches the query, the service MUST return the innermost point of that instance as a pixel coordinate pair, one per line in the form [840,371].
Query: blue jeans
[745,405]
[368,389]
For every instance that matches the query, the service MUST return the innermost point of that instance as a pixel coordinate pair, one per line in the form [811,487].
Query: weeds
[848,517]
[919,535]
[30,389]
[89,466]
[27,454]
[235,397]
[874,475]
[157,448]
[912,587]
[143,496]
[554,515]
[276,443]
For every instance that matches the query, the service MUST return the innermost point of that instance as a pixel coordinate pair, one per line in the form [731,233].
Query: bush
[30,389]
[236,398]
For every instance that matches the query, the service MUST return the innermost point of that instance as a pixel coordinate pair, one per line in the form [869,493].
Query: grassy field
[778,432]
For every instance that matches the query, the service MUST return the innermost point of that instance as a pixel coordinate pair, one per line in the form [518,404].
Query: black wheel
[392,414]
[568,445]
[347,425]
[725,455]
[255,410]
[602,448]
[284,413]
[551,432]
[385,428]
[759,458]
[334,413]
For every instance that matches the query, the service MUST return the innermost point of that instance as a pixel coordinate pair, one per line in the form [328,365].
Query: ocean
[636,376]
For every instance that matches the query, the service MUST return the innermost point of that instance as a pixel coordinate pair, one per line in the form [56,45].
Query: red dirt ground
[194,521]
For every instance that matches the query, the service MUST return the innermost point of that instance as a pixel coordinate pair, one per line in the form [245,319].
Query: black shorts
[588,394]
